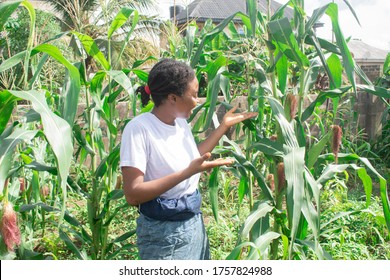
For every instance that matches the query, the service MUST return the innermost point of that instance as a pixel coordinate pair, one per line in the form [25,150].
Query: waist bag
[179,209]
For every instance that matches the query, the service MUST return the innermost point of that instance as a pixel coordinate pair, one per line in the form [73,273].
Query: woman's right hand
[202,164]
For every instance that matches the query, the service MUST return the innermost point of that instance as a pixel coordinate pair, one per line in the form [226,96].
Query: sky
[374,17]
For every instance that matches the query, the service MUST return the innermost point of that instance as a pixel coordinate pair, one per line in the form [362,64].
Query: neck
[164,115]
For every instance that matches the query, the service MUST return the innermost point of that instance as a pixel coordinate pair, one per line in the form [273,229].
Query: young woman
[161,165]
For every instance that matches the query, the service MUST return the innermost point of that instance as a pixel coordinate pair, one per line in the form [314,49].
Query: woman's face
[188,101]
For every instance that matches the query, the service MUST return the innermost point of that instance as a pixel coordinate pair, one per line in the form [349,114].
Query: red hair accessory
[147,90]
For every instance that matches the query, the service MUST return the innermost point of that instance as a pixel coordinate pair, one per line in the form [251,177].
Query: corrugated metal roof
[218,10]
[364,52]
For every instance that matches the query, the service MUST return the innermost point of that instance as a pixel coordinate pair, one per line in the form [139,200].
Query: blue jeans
[172,240]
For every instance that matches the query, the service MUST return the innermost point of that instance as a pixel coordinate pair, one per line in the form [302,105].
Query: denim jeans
[172,240]
[180,209]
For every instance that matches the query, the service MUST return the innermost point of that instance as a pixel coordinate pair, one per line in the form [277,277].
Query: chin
[185,116]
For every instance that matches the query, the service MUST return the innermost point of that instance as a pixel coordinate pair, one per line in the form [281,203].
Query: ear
[172,98]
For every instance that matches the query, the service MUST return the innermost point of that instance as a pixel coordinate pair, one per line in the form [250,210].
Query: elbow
[131,200]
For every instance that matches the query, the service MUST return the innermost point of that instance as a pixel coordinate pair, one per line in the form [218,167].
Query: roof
[364,52]
[218,10]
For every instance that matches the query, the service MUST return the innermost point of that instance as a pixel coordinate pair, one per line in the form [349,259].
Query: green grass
[359,236]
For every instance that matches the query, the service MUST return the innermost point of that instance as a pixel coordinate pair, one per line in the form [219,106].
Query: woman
[161,165]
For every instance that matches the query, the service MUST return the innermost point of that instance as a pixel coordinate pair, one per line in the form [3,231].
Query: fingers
[206,156]
[219,162]
[232,110]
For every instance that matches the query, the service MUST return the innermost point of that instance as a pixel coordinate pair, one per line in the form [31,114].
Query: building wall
[370,107]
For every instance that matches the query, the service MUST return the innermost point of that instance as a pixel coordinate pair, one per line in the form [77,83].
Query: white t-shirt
[158,149]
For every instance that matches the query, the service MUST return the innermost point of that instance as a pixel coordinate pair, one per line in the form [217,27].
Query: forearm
[138,193]
[212,140]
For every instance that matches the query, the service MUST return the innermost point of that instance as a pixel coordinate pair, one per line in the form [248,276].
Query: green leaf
[208,37]
[281,70]
[124,236]
[378,91]
[264,241]
[213,191]
[321,98]
[252,10]
[283,35]
[6,10]
[348,62]
[235,254]
[119,20]
[142,75]
[189,39]
[12,61]
[286,128]
[317,149]
[115,194]
[352,11]
[294,167]
[268,147]
[92,49]
[72,90]
[259,178]
[336,69]
[7,146]
[57,131]
[70,244]
[7,104]
[128,36]
[262,210]
[121,78]
[242,188]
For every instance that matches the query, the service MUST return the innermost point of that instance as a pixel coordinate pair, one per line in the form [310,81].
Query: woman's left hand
[232,118]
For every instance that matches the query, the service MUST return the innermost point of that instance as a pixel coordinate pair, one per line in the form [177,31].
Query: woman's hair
[167,76]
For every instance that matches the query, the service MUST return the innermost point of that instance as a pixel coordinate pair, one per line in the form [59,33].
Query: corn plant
[285,219]
[62,133]
[284,232]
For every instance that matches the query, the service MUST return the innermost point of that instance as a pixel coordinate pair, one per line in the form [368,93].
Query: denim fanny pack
[179,209]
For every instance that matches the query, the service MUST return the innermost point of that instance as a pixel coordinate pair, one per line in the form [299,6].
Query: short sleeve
[133,152]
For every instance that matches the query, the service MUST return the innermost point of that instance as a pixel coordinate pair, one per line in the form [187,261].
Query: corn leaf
[208,37]
[252,12]
[70,244]
[6,10]
[92,49]
[7,104]
[294,166]
[321,98]
[284,37]
[119,20]
[7,147]
[213,191]
[317,149]
[262,210]
[57,131]
[348,62]
[12,61]
[72,90]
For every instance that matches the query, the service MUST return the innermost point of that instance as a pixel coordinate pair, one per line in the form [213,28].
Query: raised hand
[232,118]
[202,164]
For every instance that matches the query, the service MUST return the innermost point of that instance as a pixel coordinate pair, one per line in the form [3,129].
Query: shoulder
[139,121]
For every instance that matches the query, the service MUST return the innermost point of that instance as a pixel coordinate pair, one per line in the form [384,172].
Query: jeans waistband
[179,209]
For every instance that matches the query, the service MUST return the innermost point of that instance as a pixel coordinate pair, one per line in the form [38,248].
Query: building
[370,107]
